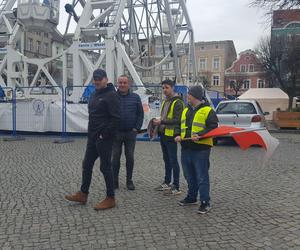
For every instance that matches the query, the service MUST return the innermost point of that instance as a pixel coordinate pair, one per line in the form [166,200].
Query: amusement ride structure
[122,36]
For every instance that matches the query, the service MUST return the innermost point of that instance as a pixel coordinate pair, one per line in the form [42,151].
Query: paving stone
[253,206]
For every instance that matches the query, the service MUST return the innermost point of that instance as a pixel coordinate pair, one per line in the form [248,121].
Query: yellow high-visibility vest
[169,129]
[198,124]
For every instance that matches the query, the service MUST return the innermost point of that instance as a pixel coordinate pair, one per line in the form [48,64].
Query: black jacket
[211,123]
[104,112]
[132,113]
[176,121]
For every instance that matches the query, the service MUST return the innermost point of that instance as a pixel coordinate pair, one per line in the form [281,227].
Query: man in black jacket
[169,128]
[104,120]
[132,116]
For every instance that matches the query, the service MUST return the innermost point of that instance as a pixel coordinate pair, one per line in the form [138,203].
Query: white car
[245,114]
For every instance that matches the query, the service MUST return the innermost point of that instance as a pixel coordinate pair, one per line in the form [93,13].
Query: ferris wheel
[138,37]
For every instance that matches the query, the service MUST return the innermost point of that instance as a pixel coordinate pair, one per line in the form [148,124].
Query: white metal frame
[118,40]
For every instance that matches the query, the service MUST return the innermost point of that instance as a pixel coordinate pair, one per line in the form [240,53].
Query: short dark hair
[168,82]
[99,74]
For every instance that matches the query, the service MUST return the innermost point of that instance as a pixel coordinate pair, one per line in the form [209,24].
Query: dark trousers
[128,139]
[195,166]
[98,148]
[169,150]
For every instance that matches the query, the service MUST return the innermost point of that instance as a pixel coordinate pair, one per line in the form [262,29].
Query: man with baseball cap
[197,119]
[104,120]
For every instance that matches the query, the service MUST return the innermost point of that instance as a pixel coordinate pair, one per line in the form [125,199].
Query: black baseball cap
[99,74]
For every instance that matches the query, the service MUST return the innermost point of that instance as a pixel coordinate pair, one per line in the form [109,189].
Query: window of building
[202,64]
[260,83]
[216,62]
[38,46]
[243,68]
[216,80]
[46,48]
[217,46]
[30,44]
[251,67]
[38,33]
[246,84]
[202,48]
[46,35]
[57,50]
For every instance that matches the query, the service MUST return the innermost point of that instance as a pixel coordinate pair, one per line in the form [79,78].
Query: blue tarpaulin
[215,97]
[2,93]
[87,92]
[183,90]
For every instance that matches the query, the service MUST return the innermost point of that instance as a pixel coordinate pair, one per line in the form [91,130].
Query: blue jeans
[195,164]
[169,150]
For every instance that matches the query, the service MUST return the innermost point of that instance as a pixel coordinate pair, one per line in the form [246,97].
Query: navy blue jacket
[132,113]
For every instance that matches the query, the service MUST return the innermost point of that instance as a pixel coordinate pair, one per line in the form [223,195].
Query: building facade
[245,73]
[212,59]
[285,47]
[39,44]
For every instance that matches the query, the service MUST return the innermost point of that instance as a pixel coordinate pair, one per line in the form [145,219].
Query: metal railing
[7,112]
[62,111]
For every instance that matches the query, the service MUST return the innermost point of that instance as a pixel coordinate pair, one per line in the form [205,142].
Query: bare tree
[235,83]
[270,58]
[281,59]
[276,4]
[205,78]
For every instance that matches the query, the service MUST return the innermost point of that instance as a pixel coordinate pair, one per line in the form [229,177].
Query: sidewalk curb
[284,131]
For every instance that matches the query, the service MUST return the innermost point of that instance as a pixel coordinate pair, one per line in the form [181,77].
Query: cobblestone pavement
[254,206]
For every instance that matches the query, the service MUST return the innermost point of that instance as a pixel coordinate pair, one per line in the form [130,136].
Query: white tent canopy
[270,99]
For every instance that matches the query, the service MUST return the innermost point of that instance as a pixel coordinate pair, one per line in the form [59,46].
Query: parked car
[245,114]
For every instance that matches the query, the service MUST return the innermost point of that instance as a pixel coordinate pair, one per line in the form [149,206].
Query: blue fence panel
[7,111]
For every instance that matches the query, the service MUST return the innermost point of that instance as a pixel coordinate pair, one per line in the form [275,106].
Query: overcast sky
[227,20]
[217,20]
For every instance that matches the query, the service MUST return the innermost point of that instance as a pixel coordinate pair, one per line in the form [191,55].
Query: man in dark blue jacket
[132,116]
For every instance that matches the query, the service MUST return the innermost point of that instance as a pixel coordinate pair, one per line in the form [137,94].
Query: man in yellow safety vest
[169,128]
[197,119]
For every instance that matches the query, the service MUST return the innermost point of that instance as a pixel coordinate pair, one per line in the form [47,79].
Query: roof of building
[214,42]
[248,51]
[57,36]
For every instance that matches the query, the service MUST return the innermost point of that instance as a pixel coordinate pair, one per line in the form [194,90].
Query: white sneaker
[163,187]
[173,191]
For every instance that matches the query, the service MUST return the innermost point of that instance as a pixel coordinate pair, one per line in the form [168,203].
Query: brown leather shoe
[108,202]
[77,197]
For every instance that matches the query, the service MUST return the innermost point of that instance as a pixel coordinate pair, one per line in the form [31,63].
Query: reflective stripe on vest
[169,129]
[199,121]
